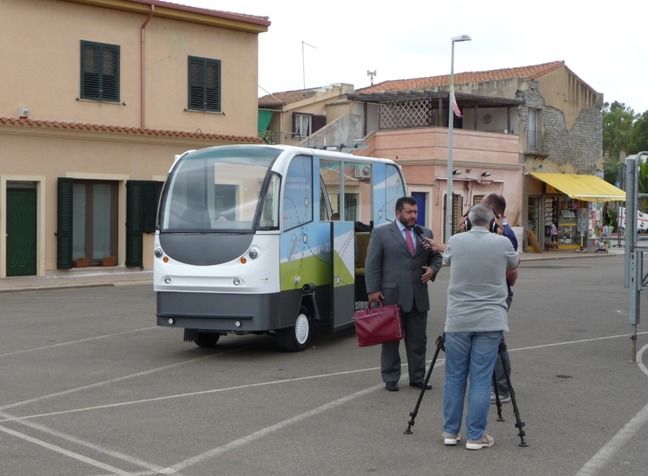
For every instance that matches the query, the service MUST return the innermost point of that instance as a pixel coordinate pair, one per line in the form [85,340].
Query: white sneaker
[505,398]
[486,441]
[450,440]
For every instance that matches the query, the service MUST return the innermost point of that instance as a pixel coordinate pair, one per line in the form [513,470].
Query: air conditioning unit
[23,112]
[363,171]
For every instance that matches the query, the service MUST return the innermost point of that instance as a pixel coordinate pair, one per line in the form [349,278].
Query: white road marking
[267,430]
[79,341]
[629,430]
[241,387]
[190,394]
[642,366]
[63,451]
[105,382]
[580,341]
[78,441]
[259,434]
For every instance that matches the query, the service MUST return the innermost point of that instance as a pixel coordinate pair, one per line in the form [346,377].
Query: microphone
[418,231]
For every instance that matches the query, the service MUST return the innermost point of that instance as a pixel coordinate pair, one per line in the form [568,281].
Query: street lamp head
[461,38]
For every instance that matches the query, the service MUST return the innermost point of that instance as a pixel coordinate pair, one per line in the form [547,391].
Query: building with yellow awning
[572,208]
[588,188]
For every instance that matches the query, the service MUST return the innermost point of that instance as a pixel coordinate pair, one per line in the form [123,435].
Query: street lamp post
[449,191]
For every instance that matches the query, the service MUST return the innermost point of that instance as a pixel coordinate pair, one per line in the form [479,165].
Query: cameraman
[481,265]
[497,203]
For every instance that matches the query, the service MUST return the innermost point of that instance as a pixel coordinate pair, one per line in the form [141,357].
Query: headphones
[468,225]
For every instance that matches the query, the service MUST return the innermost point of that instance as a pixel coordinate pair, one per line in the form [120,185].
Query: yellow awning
[583,187]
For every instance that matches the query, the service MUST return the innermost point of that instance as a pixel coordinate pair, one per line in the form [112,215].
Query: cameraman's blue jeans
[470,356]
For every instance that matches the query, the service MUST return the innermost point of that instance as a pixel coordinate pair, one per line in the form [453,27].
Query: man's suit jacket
[392,269]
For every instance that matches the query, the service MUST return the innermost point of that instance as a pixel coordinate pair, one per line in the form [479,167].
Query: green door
[21,231]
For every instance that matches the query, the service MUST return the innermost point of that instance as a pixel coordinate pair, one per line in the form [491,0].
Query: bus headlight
[236,281]
[253,253]
[158,253]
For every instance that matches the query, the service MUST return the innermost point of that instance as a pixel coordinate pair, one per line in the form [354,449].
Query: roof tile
[33,123]
[523,72]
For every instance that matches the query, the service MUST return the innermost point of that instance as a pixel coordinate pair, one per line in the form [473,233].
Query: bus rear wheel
[297,337]
[206,339]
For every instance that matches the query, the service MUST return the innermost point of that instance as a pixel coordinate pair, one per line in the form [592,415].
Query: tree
[639,136]
[618,121]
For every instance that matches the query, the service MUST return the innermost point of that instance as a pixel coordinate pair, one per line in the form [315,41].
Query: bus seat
[362,242]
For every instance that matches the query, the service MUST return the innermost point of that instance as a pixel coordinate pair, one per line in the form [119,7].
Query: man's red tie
[410,242]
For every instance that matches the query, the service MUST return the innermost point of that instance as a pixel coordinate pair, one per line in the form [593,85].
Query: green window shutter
[213,85]
[100,71]
[196,81]
[64,224]
[151,198]
[142,198]
[134,222]
[204,84]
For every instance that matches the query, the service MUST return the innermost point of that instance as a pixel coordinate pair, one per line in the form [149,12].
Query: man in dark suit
[397,270]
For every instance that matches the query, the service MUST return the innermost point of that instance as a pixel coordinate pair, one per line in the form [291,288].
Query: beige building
[96,101]
[516,125]
[316,117]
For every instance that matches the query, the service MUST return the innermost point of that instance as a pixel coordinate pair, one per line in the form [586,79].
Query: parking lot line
[629,430]
[190,394]
[106,382]
[78,341]
[77,441]
[63,451]
[267,430]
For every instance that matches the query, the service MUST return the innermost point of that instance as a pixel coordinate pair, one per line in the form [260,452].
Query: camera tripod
[519,424]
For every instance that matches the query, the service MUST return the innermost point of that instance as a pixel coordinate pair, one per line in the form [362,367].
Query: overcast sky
[602,42]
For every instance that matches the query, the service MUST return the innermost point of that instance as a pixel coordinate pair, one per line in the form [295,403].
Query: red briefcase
[376,325]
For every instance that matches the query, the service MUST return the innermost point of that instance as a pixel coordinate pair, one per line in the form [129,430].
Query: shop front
[569,211]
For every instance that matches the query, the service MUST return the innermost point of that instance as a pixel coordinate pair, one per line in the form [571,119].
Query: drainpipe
[142,82]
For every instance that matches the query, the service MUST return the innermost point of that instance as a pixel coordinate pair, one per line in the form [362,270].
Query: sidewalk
[120,276]
[78,278]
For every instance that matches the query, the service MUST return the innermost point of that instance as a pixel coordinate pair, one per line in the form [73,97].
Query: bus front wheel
[297,337]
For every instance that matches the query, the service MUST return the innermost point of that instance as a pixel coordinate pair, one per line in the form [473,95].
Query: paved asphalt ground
[90,386]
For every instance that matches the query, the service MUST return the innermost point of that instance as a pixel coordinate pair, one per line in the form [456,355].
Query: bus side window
[297,206]
[330,188]
[270,212]
[394,189]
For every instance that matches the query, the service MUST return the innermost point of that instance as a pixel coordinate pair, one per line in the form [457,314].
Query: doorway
[21,229]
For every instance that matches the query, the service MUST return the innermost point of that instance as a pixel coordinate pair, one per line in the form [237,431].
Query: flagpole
[451,98]
[303,62]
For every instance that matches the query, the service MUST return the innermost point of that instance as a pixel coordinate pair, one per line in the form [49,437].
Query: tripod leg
[519,424]
[498,402]
[413,413]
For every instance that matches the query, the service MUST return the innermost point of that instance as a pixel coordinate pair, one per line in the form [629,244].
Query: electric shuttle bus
[264,239]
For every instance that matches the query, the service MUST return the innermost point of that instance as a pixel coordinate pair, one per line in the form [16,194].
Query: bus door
[343,279]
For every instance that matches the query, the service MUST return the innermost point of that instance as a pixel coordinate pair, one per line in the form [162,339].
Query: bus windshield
[216,189]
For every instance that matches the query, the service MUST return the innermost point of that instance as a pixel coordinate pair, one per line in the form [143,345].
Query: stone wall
[578,148]
[575,150]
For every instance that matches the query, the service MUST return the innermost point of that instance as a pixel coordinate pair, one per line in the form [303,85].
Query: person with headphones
[482,266]
[497,203]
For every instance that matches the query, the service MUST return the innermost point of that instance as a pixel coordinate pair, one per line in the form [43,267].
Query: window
[533,130]
[99,71]
[87,221]
[298,193]
[204,84]
[270,212]
[302,125]
[394,189]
